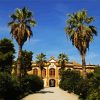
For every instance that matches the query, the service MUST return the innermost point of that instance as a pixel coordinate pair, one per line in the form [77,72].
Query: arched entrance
[52,83]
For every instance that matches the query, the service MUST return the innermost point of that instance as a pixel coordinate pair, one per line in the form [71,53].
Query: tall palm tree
[62,59]
[21,23]
[81,33]
[41,60]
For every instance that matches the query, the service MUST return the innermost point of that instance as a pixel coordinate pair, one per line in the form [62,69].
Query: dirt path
[51,93]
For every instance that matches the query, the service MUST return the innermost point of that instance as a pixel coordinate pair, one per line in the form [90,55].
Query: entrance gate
[52,83]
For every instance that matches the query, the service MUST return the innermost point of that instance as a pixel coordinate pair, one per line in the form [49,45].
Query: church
[51,71]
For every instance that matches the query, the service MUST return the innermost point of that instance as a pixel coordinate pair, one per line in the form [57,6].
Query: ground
[51,93]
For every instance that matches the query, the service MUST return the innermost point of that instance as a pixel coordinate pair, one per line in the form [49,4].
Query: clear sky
[48,35]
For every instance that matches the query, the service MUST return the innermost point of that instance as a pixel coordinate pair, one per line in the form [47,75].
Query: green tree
[21,23]
[41,60]
[26,61]
[6,55]
[62,59]
[81,33]
[9,87]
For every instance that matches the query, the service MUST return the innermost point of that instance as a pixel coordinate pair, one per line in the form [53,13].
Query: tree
[26,61]
[41,60]
[62,59]
[9,87]
[21,23]
[81,33]
[6,55]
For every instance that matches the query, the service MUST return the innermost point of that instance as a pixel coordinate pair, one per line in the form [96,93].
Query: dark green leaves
[6,55]
[22,21]
[80,30]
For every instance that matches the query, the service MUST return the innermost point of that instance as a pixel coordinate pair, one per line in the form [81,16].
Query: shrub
[94,83]
[63,85]
[88,89]
[69,80]
[9,87]
[90,75]
[94,95]
[82,89]
[32,83]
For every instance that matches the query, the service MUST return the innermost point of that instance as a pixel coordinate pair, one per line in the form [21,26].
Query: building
[51,71]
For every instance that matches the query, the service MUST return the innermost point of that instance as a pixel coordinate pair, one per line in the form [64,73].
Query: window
[52,72]
[44,73]
[35,71]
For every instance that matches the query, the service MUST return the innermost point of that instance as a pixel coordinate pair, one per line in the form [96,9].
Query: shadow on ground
[43,92]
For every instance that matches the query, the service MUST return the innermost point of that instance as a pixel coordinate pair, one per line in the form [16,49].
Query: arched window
[52,72]
[35,71]
[44,73]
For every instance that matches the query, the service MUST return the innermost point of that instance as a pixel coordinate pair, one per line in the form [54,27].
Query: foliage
[83,89]
[6,55]
[32,83]
[81,33]
[26,61]
[97,70]
[9,87]
[62,59]
[87,89]
[94,95]
[22,21]
[94,91]
[69,80]
[41,60]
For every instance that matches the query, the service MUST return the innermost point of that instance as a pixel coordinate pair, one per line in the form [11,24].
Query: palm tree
[81,33]
[41,60]
[21,23]
[62,59]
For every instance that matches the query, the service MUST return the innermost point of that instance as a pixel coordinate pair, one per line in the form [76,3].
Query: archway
[52,72]
[52,83]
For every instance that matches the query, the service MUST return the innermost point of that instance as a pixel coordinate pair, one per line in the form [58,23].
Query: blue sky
[48,35]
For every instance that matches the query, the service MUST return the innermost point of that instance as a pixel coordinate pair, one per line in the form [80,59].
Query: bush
[32,83]
[87,89]
[94,95]
[69,80]
[94,90]
[82,89]
[9,87]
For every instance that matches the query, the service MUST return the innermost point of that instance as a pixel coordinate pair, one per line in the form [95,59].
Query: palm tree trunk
[84,66]
[19,61]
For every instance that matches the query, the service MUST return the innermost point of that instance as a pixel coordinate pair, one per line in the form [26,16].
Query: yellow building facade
[51,71]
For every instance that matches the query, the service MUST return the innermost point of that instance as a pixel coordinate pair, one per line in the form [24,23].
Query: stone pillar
[39,72]
[46,72]
[47,77]
[57,76]
[56,82]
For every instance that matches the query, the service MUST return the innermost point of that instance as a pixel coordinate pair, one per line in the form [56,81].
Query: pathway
[51,93]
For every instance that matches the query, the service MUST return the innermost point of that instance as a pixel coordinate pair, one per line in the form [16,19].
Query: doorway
[52,83]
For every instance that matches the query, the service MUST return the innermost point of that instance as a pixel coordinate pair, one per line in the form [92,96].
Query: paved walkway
[51,93]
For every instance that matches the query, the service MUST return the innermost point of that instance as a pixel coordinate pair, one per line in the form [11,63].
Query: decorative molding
[52,65]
